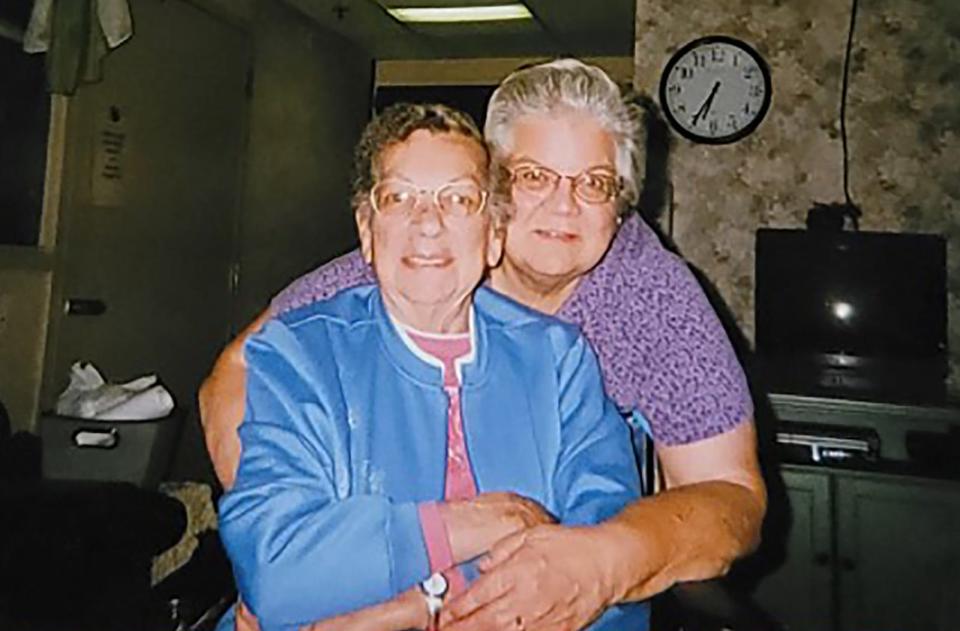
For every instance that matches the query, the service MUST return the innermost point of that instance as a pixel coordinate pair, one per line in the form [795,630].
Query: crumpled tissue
[89,396]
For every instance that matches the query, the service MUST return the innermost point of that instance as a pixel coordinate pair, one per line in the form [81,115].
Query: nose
[427,216]
[564,201]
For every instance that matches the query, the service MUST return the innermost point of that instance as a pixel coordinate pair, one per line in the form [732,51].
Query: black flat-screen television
[859,309]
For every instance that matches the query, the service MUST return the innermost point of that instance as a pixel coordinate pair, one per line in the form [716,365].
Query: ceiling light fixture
[486,13]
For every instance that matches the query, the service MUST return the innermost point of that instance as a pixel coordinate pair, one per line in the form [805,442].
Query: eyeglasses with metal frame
[454,199]
[593,186]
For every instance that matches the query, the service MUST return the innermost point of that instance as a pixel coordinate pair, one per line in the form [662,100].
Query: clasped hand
[547,577]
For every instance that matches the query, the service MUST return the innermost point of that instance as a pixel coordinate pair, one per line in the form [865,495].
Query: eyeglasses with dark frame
[593,186]
[454,199]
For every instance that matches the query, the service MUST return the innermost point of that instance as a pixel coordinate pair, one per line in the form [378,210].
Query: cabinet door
[148,220]
[898,554]
[798,593]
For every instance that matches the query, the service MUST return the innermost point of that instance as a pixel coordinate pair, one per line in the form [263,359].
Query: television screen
[851,297]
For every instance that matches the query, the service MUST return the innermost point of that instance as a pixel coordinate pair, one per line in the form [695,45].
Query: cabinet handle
[847,564]
[821,559]
[84,307]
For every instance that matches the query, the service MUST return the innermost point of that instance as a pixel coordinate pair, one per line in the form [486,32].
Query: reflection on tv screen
[861,294]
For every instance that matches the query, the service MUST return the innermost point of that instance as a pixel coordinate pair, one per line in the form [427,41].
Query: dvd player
[819,444]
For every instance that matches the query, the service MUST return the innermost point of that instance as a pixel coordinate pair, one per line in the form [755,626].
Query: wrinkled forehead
[564,140]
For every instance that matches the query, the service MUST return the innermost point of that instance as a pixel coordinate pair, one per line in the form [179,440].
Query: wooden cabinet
[898,554]
[799,592]
[874,548]
[867,551]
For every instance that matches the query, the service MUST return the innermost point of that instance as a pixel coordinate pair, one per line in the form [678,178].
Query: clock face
[715,90]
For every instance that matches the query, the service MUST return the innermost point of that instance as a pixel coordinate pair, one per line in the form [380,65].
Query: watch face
[436,585]
[715,90]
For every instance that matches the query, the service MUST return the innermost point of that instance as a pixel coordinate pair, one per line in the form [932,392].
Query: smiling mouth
[557,235]
[427,261]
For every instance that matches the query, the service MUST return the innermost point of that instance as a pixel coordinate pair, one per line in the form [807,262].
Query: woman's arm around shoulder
[708,516]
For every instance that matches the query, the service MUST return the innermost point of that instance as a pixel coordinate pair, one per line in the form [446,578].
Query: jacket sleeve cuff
[408,549]
[435,536]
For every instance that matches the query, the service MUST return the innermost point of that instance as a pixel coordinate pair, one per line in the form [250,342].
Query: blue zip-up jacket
[345,435]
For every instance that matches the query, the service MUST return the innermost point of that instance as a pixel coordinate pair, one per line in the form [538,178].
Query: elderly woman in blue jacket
[383,424]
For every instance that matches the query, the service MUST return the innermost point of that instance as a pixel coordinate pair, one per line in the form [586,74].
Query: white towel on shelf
[113,17]
[36,39]
[115,21]
[90,396]
[151,403]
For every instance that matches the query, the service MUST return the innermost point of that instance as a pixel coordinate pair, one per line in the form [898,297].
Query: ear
[364,218]
[496,237]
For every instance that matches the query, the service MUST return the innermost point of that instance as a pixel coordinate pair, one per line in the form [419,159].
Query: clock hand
[706,104]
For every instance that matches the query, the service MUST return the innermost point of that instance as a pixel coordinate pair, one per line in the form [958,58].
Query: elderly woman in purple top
[563,132]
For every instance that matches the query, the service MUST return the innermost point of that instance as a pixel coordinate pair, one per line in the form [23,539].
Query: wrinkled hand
[475,525]
[546,578]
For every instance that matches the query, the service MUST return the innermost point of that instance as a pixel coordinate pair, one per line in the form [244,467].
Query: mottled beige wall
[903,123]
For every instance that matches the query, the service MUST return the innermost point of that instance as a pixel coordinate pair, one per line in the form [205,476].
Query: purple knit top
[661,347]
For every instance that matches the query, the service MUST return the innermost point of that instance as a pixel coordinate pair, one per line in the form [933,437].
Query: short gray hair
[395,124]
[569,85]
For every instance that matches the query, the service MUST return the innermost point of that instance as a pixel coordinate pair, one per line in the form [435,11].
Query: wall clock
[715,90]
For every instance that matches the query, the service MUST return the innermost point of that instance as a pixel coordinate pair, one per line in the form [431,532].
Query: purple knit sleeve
[661,346]
[343,272]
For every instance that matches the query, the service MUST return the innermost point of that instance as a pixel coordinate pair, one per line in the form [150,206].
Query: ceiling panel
[442,3]
[561,27]
[601,27]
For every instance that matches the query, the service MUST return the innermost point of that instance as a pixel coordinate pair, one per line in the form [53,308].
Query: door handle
[84,307]
[96,438]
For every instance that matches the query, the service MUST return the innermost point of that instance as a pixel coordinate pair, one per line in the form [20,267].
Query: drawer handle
[84,307]
[96,438]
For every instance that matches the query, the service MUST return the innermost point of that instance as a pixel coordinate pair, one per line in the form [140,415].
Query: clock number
[756,91]
[736,60]
[713,126]
[674,89]
[686,72]
[717,54]
[746,109]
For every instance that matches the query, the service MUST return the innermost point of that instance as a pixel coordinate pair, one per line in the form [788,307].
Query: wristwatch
[434,589]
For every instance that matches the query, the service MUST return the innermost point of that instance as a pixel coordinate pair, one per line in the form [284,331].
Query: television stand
[864,543]
[836,377]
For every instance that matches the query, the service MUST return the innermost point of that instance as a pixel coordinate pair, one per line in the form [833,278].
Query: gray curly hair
[573,86]
[395,124]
